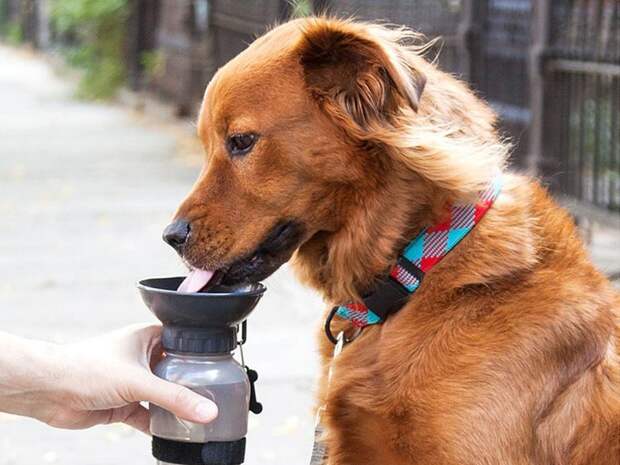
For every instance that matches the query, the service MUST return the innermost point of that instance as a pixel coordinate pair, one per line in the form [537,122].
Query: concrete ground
[605,250]
[86,191]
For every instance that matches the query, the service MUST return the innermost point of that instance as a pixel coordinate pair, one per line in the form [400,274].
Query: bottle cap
[220,340]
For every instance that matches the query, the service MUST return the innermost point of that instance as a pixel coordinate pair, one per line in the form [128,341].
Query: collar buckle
[388,295]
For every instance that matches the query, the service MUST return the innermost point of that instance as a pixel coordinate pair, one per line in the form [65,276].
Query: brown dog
[334,143]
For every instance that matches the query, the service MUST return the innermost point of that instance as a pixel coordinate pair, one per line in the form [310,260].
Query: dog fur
[508,354]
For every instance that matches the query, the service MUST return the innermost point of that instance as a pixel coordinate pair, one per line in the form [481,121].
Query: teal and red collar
[422,254]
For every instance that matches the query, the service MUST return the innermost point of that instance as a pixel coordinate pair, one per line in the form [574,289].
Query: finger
[146,342]
[139,419]
[153,350]
[155,355]
[181,401]
[150,332]
[144,332]
[80,419]
[133,415]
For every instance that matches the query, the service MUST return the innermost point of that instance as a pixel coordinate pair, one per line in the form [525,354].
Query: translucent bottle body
[218,377]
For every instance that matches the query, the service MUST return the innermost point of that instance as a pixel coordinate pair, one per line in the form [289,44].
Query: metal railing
[581,68]
[550,68]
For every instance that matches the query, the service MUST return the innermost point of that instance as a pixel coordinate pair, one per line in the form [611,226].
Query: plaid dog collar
[422,254]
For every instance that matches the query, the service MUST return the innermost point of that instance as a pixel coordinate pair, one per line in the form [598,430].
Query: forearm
[30,375]
[96,381]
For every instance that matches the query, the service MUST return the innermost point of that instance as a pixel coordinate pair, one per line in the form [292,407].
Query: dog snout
[176,234]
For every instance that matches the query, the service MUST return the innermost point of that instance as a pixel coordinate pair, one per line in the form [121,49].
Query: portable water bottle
[200,332]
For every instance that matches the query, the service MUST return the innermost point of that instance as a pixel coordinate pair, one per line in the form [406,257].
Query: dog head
[292,129]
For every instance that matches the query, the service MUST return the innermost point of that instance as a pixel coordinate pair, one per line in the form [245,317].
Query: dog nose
[176,234]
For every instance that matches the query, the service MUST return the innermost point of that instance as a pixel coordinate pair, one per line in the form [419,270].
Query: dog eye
[240,144]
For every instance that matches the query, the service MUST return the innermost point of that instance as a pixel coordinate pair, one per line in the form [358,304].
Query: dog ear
[353,72]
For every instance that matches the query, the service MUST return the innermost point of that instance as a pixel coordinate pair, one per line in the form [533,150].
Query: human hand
[96,381]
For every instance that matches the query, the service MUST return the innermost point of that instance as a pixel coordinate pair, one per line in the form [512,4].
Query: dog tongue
[196,280]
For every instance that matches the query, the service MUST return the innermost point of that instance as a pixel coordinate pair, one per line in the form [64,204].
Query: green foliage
[4,9]
[13,33]
[301,8]
[153,63]
[100,28]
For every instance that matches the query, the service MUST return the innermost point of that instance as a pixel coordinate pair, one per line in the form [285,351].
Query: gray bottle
[199,335]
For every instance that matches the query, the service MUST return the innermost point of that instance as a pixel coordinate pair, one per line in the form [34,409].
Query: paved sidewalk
[86,191]
[605,250]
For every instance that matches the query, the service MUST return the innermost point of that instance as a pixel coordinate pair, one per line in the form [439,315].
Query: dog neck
[343,265]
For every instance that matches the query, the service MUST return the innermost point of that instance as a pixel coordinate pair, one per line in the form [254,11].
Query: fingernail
[206,411]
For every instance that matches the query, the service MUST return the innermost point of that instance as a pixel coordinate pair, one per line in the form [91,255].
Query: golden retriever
[333,143]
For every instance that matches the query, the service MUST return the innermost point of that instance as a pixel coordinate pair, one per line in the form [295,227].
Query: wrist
[49,360]
[31,381]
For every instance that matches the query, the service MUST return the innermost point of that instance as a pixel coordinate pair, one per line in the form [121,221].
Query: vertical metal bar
[581,53]
[570,135]
[539,86]
[468,34]
[564,133]
[577,37]
[607,154]
[615,184]
[614,168]
[320,6]
[596,106]
[576,95]
[285,9]
[601,108]
[558,103]
[582,130]
[569,118]
[596,149]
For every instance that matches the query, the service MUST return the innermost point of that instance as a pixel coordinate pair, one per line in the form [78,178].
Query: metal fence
[581,119]
[500,66]
[485,42]
[433,18]
[550,68]
[196,37]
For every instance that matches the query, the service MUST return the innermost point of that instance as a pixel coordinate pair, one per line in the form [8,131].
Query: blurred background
[97,148]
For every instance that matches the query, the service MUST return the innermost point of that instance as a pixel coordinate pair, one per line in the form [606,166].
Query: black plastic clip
[244,332]
[255,406]
[387,297]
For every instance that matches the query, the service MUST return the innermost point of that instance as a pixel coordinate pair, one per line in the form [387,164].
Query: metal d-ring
[328,329]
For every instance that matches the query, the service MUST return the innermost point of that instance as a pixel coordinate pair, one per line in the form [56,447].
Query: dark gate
[486,42]
[433,18]
[183,41]
[196,37]
[499,66]
[581,131]
[550,68]
[236,23]
[141,39]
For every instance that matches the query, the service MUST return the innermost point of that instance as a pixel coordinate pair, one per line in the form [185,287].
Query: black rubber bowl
[222,306]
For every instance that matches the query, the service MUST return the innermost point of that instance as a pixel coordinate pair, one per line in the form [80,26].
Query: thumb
[179,400]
